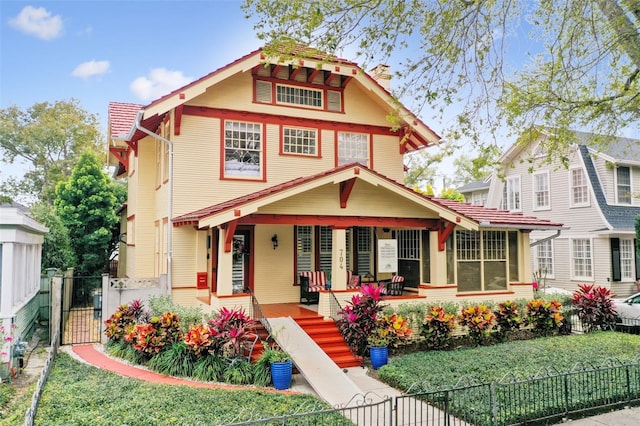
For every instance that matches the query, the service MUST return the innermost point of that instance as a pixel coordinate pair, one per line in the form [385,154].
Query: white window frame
[589,259]
[628,187]
[353,147]
[547,246]
[299,96]
[544,192]
[512,196]
[300,138]
[573,188]
[243,144]
[627,260]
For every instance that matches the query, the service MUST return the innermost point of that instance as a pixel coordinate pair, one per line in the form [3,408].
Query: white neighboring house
[596,197]
[21,239]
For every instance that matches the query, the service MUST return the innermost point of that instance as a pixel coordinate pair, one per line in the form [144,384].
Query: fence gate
[81,310]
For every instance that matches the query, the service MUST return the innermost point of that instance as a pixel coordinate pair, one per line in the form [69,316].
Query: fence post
[493,402]
[628,376]
[566,394]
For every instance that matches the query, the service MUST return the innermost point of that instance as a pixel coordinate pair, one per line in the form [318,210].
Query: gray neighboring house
[476,192]
[597,197]
[21,239]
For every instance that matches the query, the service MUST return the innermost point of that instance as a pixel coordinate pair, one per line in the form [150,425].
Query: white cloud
[160,82]
[37,22]
[91,68]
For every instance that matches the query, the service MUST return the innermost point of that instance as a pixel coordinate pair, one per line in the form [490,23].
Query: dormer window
[623,184]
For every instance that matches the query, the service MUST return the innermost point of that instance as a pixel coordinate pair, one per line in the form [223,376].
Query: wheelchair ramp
[328,380]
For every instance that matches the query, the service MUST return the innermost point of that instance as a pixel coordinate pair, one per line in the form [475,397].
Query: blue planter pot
[281,374]
[379,356]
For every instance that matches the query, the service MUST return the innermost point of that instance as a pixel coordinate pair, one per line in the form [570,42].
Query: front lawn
[525,358]
[79,394]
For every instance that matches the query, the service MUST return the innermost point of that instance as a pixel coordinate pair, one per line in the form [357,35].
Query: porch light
[274,240]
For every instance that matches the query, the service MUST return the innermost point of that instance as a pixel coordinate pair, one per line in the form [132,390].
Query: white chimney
[382,75]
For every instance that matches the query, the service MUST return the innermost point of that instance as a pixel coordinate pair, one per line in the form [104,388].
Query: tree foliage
[86,204]
[422,165]
[472,168]
[581,58]
[49,138]
[57,251]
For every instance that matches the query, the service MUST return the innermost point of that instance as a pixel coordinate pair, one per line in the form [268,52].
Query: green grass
[78,394]
[521,358]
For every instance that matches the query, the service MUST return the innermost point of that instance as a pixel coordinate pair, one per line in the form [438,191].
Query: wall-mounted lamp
[274,240]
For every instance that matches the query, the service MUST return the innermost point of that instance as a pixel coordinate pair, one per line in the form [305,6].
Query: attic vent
[334,101]
[263,91]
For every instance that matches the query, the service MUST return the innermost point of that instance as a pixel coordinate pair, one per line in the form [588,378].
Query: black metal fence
[548,396]
[81,310]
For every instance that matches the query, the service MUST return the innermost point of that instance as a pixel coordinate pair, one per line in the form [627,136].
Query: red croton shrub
[201,339]
[155,336]
[479,320]
[118,325]
[437,327]
[594,307]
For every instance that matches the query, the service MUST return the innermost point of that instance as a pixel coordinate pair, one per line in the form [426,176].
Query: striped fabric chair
[394,286]
[311,282]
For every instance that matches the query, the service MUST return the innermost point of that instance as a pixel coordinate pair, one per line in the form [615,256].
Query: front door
[242,273]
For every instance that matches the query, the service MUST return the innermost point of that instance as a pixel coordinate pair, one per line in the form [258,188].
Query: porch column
[339,259]
[438,261]
[225,269]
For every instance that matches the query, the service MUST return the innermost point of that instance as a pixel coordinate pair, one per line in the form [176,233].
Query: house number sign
[341,259]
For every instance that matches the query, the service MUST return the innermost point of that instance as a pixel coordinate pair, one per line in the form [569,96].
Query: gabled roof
[155,111]
[476,185]
[619,217]
[466,215]
[121,117]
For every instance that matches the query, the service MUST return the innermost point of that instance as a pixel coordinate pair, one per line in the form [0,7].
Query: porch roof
[466,215]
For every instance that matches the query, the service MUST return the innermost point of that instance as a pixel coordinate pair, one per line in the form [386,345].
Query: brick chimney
[382,75]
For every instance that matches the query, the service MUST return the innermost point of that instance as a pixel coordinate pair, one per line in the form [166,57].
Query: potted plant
[279,363]
[378,347]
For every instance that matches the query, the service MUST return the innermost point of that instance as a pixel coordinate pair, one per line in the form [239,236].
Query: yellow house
[258,172]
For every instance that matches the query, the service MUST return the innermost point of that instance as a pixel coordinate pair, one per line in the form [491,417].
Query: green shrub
[177,360]
[238,372]
[189,316]
[209,368]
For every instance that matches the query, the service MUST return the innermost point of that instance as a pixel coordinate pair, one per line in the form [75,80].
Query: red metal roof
[493,217]
[485,217]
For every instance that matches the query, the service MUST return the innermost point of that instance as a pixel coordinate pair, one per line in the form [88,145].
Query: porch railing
[334,306]
[256,311]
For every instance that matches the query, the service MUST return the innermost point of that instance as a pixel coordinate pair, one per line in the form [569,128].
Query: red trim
[275,70]
[346,80]
[345,190]
[313,76]
[331,77]
[444,231]
[338,221]
[117,152]
[295,73]
[264,118]
[178,120]
[229,230]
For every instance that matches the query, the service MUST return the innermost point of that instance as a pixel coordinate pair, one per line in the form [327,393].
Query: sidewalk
[625,417]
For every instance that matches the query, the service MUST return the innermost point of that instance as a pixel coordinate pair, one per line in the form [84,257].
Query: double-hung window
[353,148]
[511,194]
[541,199]
[243,149]
[627,259]
[544,259]
[579,190]
[623,184]
[581,258]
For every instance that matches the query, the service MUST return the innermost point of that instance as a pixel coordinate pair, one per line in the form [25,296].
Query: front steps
[327,336]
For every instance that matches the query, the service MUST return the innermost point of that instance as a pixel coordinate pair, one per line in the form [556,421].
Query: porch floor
[293,310]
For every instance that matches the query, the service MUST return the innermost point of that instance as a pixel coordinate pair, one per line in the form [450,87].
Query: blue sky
[126,51]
